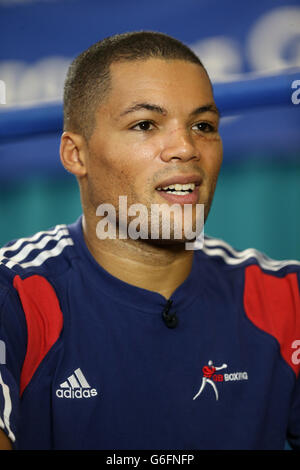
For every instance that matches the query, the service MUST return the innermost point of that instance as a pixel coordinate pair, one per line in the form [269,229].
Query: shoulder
[46,252]
[227,256]
[30,269]
[270,291]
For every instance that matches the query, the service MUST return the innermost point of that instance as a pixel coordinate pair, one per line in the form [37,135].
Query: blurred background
[257,198]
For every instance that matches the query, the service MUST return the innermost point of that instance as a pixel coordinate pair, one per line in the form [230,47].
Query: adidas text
[76,393]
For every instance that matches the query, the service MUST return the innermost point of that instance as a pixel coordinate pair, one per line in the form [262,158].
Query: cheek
[213,158]
[128,164]
[107,165]
[115,172]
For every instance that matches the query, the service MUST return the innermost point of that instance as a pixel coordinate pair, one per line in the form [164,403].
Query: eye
[143,126]
[204,127]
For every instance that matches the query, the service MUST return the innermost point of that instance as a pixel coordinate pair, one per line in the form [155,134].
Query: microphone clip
[170,319]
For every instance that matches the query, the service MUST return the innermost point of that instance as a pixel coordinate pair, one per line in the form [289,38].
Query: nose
[178,145]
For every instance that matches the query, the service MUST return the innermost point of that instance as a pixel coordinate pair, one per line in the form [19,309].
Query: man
[107,334]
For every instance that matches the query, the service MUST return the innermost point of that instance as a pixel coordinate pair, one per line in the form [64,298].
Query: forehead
[168,82]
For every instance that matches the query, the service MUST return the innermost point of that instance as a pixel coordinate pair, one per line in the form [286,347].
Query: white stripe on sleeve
[15,246]
[7,408]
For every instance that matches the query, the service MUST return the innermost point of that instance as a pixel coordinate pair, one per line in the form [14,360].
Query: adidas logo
[76,386]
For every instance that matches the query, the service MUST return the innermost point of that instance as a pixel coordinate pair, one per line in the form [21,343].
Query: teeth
[179,187]
[178,193]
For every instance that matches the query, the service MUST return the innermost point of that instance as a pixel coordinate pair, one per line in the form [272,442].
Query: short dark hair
[88,77]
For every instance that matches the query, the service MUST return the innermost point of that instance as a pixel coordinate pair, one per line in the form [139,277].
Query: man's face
[157,127]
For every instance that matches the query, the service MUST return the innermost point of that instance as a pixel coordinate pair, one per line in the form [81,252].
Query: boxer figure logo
[208,372]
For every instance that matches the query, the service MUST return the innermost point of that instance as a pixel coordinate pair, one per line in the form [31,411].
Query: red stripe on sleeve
[273,305]
[44,321]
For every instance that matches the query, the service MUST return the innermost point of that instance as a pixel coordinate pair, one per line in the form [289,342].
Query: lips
[189,198]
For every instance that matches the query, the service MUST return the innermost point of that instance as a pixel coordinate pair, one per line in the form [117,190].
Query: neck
[155,267]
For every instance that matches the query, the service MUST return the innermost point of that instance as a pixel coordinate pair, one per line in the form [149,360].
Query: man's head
[89,80]
[139,116]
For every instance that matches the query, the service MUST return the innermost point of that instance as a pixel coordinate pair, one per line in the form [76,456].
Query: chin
[173,238]
[167,242]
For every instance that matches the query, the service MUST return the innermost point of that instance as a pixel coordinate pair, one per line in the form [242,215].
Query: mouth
[180,189]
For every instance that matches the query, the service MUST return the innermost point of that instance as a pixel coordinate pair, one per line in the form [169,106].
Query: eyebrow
[147,106]
[158,109]
[206,108]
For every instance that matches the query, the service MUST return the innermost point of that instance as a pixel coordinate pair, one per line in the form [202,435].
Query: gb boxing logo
[208,373]
[210,377]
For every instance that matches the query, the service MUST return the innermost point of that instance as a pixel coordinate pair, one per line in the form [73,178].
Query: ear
[73,153]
